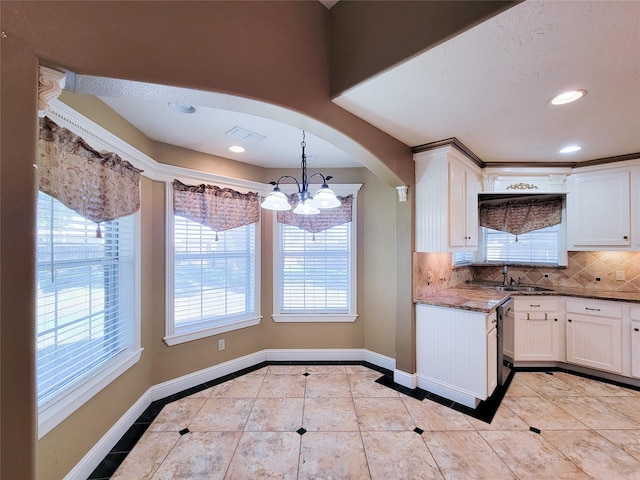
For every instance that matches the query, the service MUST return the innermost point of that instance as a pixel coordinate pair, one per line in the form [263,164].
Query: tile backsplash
[587,270]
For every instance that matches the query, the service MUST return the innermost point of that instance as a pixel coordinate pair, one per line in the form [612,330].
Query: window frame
[56,409]
[172,337]
[352,315]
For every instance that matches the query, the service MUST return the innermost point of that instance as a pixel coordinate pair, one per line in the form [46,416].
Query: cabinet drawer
[599,309]
[535,304]
[635,313]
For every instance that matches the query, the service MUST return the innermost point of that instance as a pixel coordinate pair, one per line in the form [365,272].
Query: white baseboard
[379,360]
[92,459]
[450,392]
[314,355]
[405,379]
[190,380]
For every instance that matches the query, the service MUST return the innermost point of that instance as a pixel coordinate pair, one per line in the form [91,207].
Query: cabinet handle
[636,329]
[592,309]
[535,306]
[569,320]
[555,319]
[626,237]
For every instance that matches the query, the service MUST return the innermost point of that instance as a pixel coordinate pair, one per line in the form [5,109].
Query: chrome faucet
[505,272]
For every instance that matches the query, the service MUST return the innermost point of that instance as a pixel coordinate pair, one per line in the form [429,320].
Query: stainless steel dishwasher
[505,309]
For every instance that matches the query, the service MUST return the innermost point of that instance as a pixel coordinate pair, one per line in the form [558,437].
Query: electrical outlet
[221,344]
[620,275]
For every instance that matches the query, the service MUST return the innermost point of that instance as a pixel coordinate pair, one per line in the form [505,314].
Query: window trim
[172,338]
[340,190]
[56,410]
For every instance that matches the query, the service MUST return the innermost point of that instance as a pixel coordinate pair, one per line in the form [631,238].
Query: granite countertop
[483,296]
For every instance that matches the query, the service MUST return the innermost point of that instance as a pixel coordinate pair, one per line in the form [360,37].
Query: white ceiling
[206,131]
[489,87]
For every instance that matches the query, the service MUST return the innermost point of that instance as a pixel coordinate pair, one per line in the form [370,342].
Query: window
[314,274]
[87,314]
[463,258]
[212,283]
[539,247]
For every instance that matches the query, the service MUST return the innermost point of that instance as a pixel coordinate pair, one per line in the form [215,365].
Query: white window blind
[213,281]
[532,248]
[315,270]
[85,296]
[463,258]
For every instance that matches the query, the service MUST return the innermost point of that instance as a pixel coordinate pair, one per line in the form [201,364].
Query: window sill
[302,318]
[55,411]
[184,337]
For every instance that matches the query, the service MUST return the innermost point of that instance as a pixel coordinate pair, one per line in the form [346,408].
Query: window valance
[98,186]
[522,216]
[217,208]
[327,218]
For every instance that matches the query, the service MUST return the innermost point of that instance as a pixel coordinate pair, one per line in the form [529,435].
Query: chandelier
[307,204]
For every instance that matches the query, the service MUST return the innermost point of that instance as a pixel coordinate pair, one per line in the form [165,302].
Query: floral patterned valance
[327,218]
[99,187]
[217,208]
[523,216]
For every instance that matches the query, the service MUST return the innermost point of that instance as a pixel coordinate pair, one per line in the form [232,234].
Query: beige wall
[64,446]
[286,70]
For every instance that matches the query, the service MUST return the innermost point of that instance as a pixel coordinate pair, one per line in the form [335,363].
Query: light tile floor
[251,428]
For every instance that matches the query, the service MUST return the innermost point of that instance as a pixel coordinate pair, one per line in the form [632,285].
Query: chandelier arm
[324,179]
[277,184]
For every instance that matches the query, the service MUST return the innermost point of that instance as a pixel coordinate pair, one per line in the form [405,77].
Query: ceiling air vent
[245,135]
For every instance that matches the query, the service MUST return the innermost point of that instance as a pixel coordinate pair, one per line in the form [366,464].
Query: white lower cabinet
[456,355]
[537,330]
[594,335]
[635,349]
[635,342]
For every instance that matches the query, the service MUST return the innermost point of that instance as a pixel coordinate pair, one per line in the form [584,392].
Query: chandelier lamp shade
[307,204]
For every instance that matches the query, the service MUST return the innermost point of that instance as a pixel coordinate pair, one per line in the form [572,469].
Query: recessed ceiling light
[570,149]
[568,97]
[182,107]
[236,148]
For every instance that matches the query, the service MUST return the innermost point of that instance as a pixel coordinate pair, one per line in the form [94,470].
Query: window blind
[214,281]
[536,247]
[85,295]
[314,270]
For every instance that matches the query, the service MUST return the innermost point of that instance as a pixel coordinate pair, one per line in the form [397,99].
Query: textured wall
[581,272]
[433,272]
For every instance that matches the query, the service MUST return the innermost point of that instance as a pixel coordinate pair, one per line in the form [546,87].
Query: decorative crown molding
[50,85]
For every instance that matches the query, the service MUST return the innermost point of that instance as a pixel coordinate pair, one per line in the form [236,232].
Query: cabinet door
[599,213]
[471,208]
[536,336]
[594,342]
[635,349]
[463,206]
[457,205]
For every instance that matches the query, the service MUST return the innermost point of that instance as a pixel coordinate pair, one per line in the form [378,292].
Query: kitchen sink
[521,288]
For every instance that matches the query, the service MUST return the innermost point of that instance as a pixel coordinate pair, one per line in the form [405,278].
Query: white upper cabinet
[601,210]
[463,206]
[447,184]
